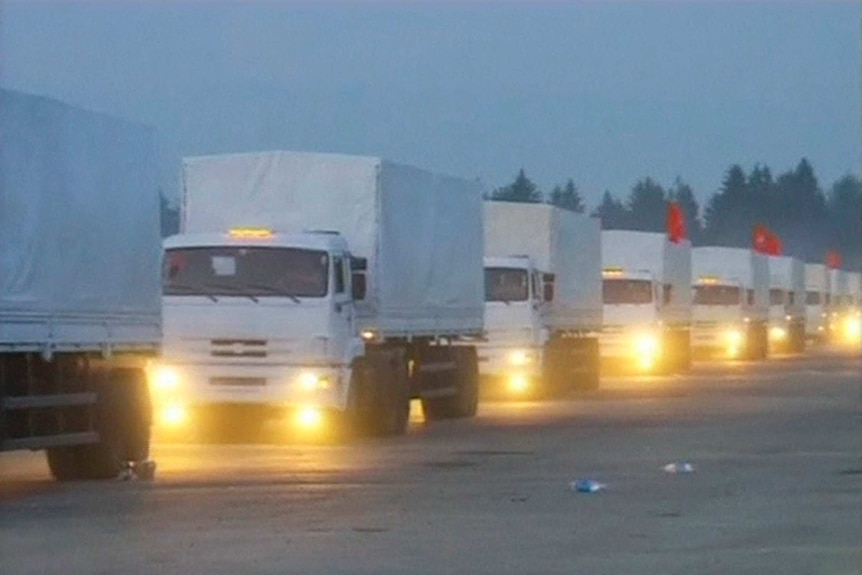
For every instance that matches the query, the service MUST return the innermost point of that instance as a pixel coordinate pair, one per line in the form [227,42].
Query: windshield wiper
[236,289]
[189,289]
[273,290]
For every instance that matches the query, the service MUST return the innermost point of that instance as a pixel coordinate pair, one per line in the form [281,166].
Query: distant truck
[731,302]
[845,317]
[542,301]
[787,311]
[316,284]
[646,290]
[817,298]
[80,310]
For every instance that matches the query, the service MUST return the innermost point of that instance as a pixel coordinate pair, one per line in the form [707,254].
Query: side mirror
[548,287]
[358,285]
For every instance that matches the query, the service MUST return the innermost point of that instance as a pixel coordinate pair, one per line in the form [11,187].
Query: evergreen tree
[728,218]
[844,209]
[521,190]
[612,213]
[568,197]
[647,206]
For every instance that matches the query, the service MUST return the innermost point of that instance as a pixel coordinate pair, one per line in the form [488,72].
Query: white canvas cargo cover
[560,242]
[739,266]
[79,229]
[788,273]
[817,278]
[668,262]
[421,232]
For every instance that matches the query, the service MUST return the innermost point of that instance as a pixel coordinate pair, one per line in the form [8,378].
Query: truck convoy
[80,310]
[731,302]
[646,290]
[787,309]
[317,284]
[817,297]
[542,301]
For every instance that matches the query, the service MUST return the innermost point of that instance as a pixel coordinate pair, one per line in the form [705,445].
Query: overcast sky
[602,92]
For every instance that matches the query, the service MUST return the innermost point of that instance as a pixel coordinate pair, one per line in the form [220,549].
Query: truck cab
[256,319]
[515,295]
[632,326]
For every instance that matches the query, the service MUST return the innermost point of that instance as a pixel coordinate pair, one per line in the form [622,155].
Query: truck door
[343,310]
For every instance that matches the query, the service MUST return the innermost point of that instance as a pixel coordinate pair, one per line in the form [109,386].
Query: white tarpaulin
[559,242]
[79,230]
[421,232]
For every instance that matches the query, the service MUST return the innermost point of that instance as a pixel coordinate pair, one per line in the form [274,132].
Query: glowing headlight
[309,417]
[647,345]
[519,358]
[165,378]
[734,339]
[173,415]
[312,382]
[777,333]
[852,328]
[519,383]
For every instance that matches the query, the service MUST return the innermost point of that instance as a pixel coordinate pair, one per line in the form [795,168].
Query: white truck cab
[257,317]
[731,302]
[646,292]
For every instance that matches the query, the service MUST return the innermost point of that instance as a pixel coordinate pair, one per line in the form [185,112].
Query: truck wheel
[589,377]
[64,462]
[379,404]
[123,418]
[465,401]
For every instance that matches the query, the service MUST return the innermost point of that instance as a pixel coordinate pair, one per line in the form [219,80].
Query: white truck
[542,301]
[80,308]
[318,284]
[845,320]
[787,309]
[646,291]
[817,297]
[731,302]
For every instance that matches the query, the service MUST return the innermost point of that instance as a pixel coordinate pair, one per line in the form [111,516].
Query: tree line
[808,219]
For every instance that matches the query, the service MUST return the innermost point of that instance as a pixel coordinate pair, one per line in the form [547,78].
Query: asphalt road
[777,488]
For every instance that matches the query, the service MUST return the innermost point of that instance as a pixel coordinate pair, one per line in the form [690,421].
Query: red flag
[766,241]
[760,239]
[833,259]
[675,223]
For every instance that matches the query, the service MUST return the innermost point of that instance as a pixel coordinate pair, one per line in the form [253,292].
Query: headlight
[164,379]
[734,340]
[313,382]
[777,333]
[519,383]
[309,418]
[852,328]
[647,345]
[519,358]
[173,415]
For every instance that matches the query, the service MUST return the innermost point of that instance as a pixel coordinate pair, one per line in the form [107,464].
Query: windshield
[506,284]
[812,298]
[716,295]
[622,291]
[245,271]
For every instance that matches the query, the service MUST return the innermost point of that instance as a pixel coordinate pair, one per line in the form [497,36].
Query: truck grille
[238,348]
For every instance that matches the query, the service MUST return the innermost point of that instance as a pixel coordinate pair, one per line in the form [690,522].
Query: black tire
[123,418]
[63,462]
[379,404]
[465,401]
[589,377]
